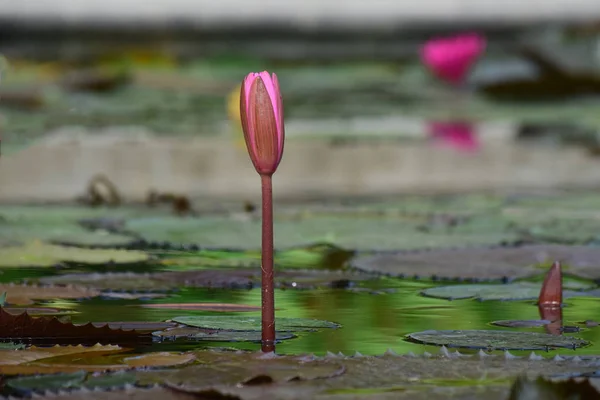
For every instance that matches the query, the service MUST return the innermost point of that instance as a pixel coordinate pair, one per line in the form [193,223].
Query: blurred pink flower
[456,134]
[451,58]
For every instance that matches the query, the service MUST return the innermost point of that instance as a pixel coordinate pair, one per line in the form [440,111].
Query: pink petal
[248,81]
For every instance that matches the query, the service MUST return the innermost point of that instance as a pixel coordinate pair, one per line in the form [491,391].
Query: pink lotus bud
[456,134]
[450,59]
[551,293]
[261,110]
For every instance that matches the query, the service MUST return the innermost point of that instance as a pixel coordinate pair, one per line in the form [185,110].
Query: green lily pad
[351,232]
[244,278]
[532,323]
[496,340]
[412,208]
[60,224]
[25,385]
[485,263]
[217,335]
[318,256]
[11,346]
[504,292]
[247,324]
[37,254]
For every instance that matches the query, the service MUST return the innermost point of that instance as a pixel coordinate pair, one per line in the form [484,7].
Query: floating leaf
[80,379]
[25,327]
[138,326]
[11,346]
[59,224]
[242,323]
[318,256]
[207,278]
[34,353]
[27,294]
[254,371]
[129,393]
[484,263]
[37,254]
[397,376]
[111,281]
[357,233]
[37,311]
[222,307]
[95,361]
[160,359]
[133,296]
[216,335]
[24,385]
[496,340]
[513,291]
[534,323]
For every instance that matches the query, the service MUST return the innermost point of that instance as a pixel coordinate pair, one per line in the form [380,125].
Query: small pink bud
[261,111]
[551,293]
[450,59]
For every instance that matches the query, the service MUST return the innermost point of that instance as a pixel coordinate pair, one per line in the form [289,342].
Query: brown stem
[268,296]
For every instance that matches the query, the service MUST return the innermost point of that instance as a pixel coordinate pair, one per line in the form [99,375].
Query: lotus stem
[268,296]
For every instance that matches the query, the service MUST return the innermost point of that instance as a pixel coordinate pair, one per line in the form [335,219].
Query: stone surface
[59,167]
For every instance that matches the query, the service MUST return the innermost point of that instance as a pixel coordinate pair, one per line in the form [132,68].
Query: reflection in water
[459,135]
[371,323]
[554,315]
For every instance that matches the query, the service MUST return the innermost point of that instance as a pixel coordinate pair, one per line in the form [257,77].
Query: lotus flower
[261,112]
[456,134]
[450,59]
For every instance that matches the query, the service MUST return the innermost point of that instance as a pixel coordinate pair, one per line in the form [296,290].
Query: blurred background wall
[307,13]
[141,93]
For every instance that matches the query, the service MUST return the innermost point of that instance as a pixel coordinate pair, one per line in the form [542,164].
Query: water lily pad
[208,278]
[496,340]
[80,379]
[513,291]
[485,263]
[224,307]
[357,233]
[241,323]
[317,256]
[217,335]
[27,294]
[11,346]
[37,311]
[95,360]
[533,323]
[37,254]
[60,224]
[33,353]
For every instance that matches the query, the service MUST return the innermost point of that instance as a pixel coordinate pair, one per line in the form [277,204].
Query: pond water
[375,315]
[354,277]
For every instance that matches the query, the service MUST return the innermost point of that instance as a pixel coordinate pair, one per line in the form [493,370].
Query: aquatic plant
[261,110]
[451,58]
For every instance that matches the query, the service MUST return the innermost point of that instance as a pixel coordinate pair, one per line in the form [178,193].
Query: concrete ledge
[59,168]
